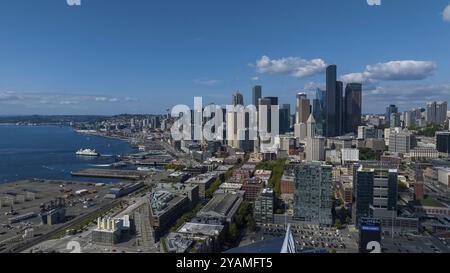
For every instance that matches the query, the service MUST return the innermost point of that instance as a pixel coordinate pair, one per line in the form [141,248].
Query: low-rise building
[222,206]
[252,188]
[263,175]
[165,209]
[444,177]
[107,232]
[423,153]
[203,181]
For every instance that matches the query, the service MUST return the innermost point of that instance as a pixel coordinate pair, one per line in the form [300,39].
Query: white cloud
[446,14]
[206,82]
[313,86]
[406,70]
[10,97]
[407,95]
[105,99]
[255,79]
[292,66]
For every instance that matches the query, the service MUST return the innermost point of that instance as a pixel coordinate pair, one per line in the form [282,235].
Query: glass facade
[313,193]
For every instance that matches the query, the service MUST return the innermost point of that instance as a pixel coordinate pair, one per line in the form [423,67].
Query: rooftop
[201,229]
[222,205]
[430,202]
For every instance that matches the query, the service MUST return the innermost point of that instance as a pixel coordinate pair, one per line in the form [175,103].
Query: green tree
[214,186]
[233,232]
[251,224]
[402,186]
[348,220]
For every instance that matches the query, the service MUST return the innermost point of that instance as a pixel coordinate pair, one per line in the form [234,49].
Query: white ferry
[87,152]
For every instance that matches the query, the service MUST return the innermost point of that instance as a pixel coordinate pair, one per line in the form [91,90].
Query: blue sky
[144,56]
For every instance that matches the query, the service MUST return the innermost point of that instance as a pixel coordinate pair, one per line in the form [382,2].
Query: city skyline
[59,60]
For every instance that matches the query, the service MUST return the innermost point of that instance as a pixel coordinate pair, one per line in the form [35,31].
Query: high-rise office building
[319,111]
[303,108]
[267,102]
[315,145]
[315,148]
[285,113]
[334,102]
[441,112]
[353,107]
[389,111]
[443,142]
[400,141]
[256,95]
[263,211]
[273,100]
[265,123]
[436,112]
[375,191]
[311,127]
[313,193]
[238,99]
[409,119]
[395,120]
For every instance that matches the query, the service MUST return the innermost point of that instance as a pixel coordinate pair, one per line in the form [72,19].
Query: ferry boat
[87,152]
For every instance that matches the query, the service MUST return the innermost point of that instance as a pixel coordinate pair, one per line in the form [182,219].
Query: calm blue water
[48,152]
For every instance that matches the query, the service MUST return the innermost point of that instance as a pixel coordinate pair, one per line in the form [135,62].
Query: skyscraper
[315,145]
[389,111]
[311,127]
[340,107]
[400,141]
[303,108]
[285,113]
[265,121]
[436,112]
[394,120]
[375,187]
[441,112]
[238,99]
[353,107]
[443,142]
[256,95]
[333,103]
[319,111]
[313,193]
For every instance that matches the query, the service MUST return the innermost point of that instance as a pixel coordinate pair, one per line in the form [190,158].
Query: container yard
[26,205]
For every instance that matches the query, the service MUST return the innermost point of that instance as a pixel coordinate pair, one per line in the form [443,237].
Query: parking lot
[413,244]
[309,237]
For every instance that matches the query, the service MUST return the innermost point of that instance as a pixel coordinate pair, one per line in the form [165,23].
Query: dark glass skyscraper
[352,108]
[319,111]
[333,103]
[443,142]
[238,99]
[313,193]
[285,113]
[256,95]
[391,109]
